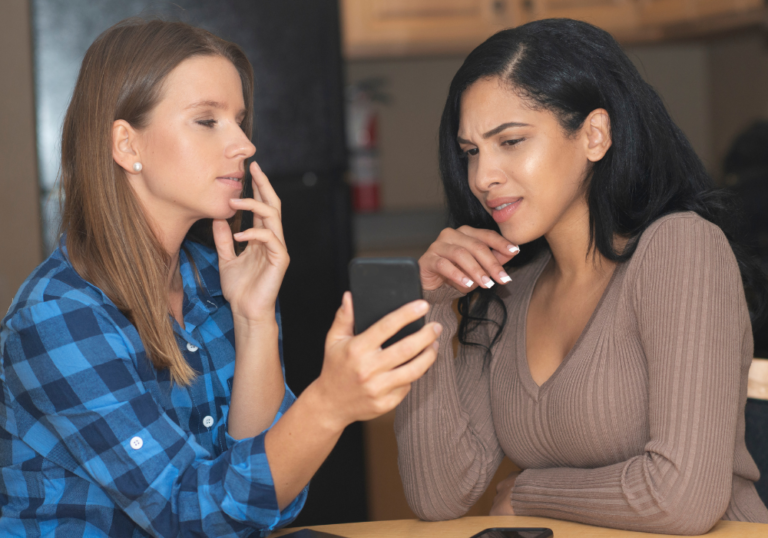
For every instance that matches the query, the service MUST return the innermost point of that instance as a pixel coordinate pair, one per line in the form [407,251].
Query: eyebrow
[495,130]
[212,104]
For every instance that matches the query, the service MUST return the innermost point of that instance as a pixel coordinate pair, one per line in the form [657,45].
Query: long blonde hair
[109,240]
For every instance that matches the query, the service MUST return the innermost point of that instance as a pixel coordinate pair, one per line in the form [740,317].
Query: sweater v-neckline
[523,370]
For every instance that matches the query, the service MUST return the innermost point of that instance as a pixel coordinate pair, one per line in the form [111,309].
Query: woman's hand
[465,258]
[502,503]
[359,379]
[250,281]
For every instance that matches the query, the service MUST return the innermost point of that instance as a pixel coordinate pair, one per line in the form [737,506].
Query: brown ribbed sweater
[642,425]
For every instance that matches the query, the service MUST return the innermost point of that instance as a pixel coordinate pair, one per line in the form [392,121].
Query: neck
[171,235]
[569,242]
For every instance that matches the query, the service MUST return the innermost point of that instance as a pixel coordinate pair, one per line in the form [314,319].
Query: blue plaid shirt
[95,442]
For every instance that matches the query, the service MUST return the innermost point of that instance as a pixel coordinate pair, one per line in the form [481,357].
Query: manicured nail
[513,249]
[504,277]
[436,345]
[467,282]
[238,235]
[420,306]
[487,282]
[437,328]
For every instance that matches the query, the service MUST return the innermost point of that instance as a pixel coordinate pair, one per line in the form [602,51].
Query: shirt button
[137,443]
[192,347]
[208,421]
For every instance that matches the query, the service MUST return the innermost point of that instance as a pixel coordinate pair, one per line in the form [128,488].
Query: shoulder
[56,280]
[681,226]
[683,236]
[680,256]
[55,301]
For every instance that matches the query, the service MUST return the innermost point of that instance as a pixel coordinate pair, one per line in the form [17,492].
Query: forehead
[489,102]
[203,78]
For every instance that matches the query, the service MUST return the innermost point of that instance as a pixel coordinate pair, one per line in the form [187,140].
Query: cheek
[174,146]
[563,166]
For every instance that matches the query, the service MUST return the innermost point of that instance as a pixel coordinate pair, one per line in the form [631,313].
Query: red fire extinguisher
[362,136]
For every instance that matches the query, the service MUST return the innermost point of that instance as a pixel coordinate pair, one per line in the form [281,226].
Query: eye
[207,123]
[468,153]
[512,142]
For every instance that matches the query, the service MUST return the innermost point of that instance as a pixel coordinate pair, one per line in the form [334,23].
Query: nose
[487,173]
[240,147]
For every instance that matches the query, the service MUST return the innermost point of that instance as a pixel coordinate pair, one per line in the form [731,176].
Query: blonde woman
[143,389]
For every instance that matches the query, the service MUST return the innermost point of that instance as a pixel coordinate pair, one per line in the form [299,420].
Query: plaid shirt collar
[199,302]
[199,290]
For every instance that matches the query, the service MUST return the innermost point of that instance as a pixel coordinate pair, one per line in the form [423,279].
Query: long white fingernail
[467,282]
[487,282]
[504,277]
[513,249]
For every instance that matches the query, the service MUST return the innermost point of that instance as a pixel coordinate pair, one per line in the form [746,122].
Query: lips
[234,176]
[503,208]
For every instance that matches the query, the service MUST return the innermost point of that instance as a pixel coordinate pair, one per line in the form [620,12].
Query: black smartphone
[380,286]
[514,532]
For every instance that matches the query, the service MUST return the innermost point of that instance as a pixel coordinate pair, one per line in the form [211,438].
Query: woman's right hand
[359,379]
[466,258]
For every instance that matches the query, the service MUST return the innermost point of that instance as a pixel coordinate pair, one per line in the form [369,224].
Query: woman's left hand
[502,503]
[250,281]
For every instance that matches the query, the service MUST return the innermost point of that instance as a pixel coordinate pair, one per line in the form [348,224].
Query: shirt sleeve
[81,402]
[693,324]
[447,447]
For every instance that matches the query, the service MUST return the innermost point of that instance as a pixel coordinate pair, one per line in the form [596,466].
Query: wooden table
[467,526]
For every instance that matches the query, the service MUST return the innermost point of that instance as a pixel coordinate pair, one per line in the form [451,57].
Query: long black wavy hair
[571,68]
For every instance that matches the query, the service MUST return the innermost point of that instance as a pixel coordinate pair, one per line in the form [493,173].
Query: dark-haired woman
[609,358]
[142,380]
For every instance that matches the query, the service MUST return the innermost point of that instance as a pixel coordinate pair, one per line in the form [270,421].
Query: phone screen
[380,286]
[509,532]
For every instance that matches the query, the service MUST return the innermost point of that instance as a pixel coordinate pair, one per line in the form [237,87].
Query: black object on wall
[294,47]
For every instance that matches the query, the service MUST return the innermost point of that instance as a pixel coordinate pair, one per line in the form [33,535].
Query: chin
[519,235]
[223,213]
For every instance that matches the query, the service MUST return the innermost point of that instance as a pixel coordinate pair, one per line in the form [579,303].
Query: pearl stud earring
[137,167]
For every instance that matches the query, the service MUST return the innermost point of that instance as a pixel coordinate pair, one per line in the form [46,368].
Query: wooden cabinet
[633,21]
[674,19]
[616,16]
[387,28]
[662,12]
[395,28]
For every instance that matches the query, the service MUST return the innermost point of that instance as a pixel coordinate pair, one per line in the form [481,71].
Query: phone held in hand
[514,532]
[380,286]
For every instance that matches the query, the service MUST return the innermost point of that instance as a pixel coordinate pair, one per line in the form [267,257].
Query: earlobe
[124,150]
[598,133]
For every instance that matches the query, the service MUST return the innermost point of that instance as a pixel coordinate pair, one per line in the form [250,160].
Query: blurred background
[348,101]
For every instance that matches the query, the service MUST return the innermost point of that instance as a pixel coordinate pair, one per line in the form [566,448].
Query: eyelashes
[211,123]
[474,151]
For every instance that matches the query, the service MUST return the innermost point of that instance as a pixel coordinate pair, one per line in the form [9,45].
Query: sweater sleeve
[692,318]
[447,448]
